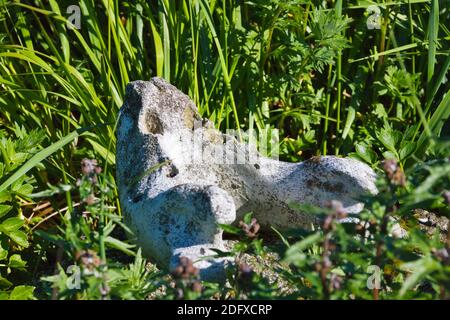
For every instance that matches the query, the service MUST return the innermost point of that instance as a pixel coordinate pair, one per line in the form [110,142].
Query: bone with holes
[179,178]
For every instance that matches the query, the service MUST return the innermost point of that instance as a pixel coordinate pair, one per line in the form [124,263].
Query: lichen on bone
[179,178]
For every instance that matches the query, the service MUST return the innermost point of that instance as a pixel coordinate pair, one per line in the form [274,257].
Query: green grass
[317,74]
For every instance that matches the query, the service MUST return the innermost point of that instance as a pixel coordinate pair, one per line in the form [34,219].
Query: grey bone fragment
[179,178]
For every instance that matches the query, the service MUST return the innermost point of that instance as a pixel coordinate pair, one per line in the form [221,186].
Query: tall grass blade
[41,155]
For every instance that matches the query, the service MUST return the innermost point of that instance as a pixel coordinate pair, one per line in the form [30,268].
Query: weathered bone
[174,189]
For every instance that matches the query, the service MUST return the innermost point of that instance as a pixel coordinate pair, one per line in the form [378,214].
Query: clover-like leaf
[11,224]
